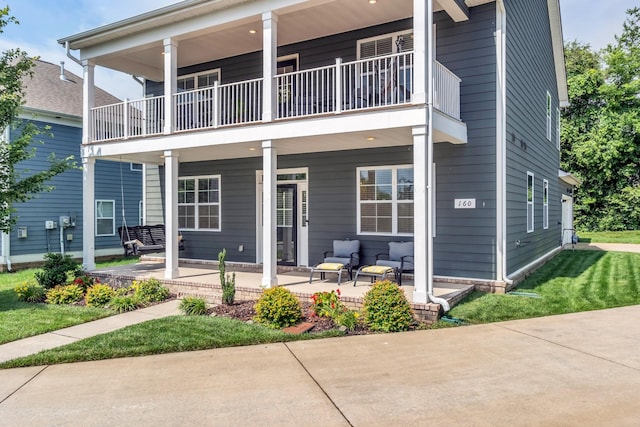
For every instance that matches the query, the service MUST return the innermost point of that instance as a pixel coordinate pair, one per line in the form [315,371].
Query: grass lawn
[610,236]
[571,282]
[21,319]
[166,335]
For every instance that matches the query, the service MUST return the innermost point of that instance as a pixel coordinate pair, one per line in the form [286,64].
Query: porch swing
[141,239]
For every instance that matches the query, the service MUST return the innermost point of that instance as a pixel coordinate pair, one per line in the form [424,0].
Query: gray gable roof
[45,91]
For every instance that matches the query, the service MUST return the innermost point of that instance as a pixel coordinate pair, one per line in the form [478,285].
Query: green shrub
[149,290]
[55,268]
[67,294]
[193,306]
[99,295]
[30,292]
[386,308]
[227,282]
[278,308]
[123,303]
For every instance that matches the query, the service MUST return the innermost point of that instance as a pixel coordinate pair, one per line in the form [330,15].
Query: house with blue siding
[279,126]
[54,221]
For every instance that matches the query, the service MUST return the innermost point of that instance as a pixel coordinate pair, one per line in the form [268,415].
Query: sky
[42,23]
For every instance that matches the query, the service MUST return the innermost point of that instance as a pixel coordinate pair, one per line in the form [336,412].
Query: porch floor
[294,279]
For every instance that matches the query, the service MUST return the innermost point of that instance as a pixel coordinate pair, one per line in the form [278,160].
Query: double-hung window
[530,195]
[548,116]
[385,200]
[387,74]
[545,204]
[558,128]
[105,217]
[199,203]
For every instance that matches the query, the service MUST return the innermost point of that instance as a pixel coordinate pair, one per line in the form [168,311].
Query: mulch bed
[244,311]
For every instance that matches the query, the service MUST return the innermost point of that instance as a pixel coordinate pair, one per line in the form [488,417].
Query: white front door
[288,178]
[567,219]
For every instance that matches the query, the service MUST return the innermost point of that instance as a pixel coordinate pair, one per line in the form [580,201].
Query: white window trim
[531,204]
[141,212]
[113,218]
[394,200]
[131,168]
[394,36]
[200,73]
[558,128]
[196,204]
[548,111]
[545,204]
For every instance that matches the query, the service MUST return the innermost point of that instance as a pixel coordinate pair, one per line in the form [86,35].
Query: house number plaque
[465,203]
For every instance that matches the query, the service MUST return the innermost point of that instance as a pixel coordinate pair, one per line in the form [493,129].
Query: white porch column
[88,213]
[423,258]
[269,194]
[419,52]
[170,82]
[171,214]
[88,99]
[269,63]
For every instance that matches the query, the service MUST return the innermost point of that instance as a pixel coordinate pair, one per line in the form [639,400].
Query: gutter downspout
[73,58]
[501,151]
[430,211]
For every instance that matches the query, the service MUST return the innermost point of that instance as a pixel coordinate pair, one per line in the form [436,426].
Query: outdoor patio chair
[399,257]
[346,252]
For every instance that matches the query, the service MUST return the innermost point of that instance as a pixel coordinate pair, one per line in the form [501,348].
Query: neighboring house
[53,221]
[281,125]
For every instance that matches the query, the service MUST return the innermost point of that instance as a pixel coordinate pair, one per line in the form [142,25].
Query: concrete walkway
[578,369]
[614,247]
[32,345]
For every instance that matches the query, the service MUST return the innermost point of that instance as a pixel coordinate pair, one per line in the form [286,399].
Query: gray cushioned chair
[400,257]
[345,252]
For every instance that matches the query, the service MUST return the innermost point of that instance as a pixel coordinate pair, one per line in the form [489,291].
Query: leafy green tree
[15,184]
[601,129]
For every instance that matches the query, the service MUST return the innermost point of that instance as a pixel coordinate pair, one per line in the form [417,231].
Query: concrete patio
[202,279]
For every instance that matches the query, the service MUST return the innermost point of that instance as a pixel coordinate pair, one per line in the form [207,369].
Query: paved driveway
[580,369]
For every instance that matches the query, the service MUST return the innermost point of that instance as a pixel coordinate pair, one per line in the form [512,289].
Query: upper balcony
[339,72]
[356,86]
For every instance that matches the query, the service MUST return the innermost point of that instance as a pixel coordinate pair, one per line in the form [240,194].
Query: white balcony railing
[144,117]
[379,82]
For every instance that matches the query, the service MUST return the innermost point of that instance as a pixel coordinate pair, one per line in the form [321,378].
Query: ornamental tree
[19,185]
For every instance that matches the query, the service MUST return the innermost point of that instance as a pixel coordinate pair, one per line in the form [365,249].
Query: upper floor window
[198,80]
[530,195]
[135,167]
[558,128]
[548,116]
[385,200]
[199,203]
[105,217]
[384,78]
[545,204]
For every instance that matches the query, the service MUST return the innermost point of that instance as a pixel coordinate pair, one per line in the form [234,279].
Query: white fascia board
[148,28]
[455,130]
[50,117]
[558,51]
[369,121]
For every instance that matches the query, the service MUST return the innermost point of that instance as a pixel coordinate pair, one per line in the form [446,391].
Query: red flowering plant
[327,304]
[85,281]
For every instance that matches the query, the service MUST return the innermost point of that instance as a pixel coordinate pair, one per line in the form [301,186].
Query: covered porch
[202,279]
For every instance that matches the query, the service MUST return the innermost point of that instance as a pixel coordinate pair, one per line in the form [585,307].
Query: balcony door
[286,84]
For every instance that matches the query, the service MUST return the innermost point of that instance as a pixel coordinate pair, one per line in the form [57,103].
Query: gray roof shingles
[45,91]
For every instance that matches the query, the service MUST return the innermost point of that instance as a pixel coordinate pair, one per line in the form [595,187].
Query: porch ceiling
[118,46]
[285,146]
